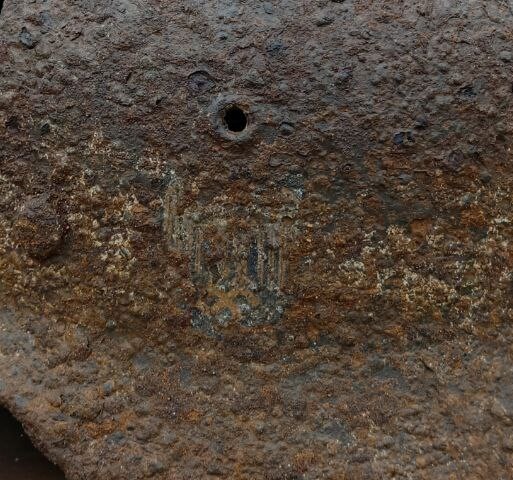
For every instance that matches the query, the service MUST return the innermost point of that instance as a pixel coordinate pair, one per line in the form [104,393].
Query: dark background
[19,459]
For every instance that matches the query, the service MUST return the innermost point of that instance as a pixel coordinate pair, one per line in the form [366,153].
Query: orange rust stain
[420,228]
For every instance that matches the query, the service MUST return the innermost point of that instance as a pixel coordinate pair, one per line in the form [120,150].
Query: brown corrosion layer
[326,294]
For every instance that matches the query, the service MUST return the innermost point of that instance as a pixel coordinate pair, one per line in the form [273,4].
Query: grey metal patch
[237,257]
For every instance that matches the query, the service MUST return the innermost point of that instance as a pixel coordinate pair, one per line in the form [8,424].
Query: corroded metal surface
[258,240]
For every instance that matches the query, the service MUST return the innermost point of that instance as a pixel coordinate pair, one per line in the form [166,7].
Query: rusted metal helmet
[258,240]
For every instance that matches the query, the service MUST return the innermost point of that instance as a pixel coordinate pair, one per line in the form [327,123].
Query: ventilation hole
[19,459]
[235,119]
